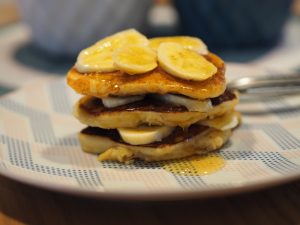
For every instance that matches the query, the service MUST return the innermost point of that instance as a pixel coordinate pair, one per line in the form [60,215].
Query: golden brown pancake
[91,111]
[195,140]
[157,81]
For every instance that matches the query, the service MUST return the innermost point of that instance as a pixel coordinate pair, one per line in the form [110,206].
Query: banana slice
[187,42]
[184,63]
[144,134]
[225,122]
[190,104]
[135,59]
[98,57]
[111,102]
[93,60]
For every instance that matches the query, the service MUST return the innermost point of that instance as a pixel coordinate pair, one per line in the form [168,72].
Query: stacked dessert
[152,99]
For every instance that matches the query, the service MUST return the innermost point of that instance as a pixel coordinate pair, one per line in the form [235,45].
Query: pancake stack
[151,99]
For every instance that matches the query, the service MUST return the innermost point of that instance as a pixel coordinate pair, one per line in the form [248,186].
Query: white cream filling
[225,122]
[111,102]
[190,104]
[232,124]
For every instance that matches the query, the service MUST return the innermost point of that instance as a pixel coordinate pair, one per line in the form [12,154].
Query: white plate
[39,146]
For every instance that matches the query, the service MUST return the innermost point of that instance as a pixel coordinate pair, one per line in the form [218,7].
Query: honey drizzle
[195,165]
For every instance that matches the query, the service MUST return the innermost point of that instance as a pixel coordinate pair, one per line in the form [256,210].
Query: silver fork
[266,86]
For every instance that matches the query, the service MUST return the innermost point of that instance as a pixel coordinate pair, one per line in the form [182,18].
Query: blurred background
[40,39]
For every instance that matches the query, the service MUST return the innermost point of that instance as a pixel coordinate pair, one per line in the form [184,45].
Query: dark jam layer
[178,135]
[226,96]
[149,103]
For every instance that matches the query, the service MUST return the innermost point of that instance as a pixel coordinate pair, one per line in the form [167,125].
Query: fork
[267,86]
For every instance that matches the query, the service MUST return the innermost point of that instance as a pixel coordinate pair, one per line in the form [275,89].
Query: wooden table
[22,204]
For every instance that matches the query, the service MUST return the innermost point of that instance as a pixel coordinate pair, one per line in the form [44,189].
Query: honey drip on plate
[195,165]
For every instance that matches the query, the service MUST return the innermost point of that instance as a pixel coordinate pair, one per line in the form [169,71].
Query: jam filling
[226,96]
[95,106]
[178,135]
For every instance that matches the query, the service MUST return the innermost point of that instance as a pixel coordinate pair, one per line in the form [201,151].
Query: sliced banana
[98,57]
[225,122]
[111,102]
[135,59]
[144,134]
[184,63]
[91,60]
[190,104]
[187,42]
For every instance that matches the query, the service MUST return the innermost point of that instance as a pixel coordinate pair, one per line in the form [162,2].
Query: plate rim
[172,195]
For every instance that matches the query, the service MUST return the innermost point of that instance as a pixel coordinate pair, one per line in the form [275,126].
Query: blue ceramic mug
[233,23]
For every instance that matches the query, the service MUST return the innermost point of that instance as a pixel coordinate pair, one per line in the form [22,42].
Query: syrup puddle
[195,165]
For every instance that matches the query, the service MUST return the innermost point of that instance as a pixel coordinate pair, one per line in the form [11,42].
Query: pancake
[151,104]
[157,81]
[196,139]
[91,111]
